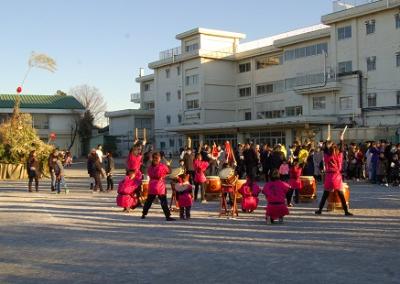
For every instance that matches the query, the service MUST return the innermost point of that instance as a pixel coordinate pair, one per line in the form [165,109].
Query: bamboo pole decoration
[136,133]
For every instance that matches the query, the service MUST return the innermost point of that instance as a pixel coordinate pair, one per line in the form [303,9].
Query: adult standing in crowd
[265,159]
[33,171]
[51,165]
[188,159]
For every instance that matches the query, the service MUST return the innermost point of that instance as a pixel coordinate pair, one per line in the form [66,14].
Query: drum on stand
[334,199]
[308,190]
[213,187]
[144,192]
[227,176]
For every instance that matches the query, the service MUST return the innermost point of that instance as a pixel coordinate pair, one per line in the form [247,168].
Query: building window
[179,94]
[344,32]
[150,105]
[398,98]
[397,21]
[167,73]
[270,114]
[245,92]
[168,96]
[398,59]
[346,103]
[192,104]
[268,61]
[344,67]
[178,70]
[370,27]
[171,143]
[179,118]
[168,117]
[244,67]
[371,100]
[306,51]
[192,80]
[265,89]
[294,111]
[162,145]
[371,63]
[191,47]
[247,115]
[319,102]
[146,87]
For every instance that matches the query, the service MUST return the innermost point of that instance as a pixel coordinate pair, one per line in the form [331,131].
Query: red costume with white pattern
[249,196]
[200,167]
[275,192]
[157,183]
[126,193]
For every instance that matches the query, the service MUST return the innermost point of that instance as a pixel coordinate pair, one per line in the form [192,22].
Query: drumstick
[189,142]
[344,130]
[329,132]
[144,134]
[136,133]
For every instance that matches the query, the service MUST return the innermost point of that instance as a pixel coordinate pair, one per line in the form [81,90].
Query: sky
[104,43]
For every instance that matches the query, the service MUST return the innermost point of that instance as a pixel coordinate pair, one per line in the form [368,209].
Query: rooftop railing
[165,54]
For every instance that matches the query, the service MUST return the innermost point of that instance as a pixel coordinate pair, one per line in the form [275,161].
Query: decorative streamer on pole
[38,60]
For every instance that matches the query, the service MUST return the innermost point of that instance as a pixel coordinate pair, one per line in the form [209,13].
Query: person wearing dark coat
[33,171]
[109,166]
[250,161]
[266,161]
[277,158]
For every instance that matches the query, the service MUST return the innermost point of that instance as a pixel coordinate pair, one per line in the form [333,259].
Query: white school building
[344,71]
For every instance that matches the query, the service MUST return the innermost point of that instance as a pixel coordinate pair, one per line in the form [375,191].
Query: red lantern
[53,136]
[19,89]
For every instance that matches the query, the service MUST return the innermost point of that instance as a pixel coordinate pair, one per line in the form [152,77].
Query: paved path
[83,238]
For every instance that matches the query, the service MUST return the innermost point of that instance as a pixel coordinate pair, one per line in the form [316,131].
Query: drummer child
[200,179]
[249,191]
[295,172]
[275,191]
[184,196]
[126,191]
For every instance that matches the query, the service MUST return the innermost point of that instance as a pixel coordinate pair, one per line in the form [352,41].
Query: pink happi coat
[184,194]
[135,163]
[294,177]
[127,193]
[249,196]
[333,167]
[200,167]
[275,192]
[157,183]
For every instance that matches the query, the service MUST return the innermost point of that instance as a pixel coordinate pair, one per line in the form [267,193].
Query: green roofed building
[50,114]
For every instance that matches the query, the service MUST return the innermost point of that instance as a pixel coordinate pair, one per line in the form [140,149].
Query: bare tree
[92,100]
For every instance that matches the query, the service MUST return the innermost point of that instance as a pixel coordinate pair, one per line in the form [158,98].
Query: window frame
[345,64]
[344,32]
[319,105]
[247,91]
[167,73]
[246,67]
[345,105]
[371,63]
[370,27]
[371,97]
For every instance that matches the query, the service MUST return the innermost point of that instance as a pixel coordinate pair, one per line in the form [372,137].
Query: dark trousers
[184,212]
[110,182]
[325,196]
[289,195]
[202,187]
[163,201]
[191,177]
[97,182]
[36,183]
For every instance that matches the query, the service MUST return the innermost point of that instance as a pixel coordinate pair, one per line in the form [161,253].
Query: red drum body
[308,190]
[334,200]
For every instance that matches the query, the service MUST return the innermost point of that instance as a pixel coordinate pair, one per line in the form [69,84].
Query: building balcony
[170,53]
[135,98]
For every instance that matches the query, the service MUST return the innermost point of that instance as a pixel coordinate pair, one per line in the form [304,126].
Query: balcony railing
[135,97]
[169,53]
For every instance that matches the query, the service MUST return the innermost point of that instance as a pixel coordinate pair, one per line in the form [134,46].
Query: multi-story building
[287,87]
[126,124]
[50,114]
